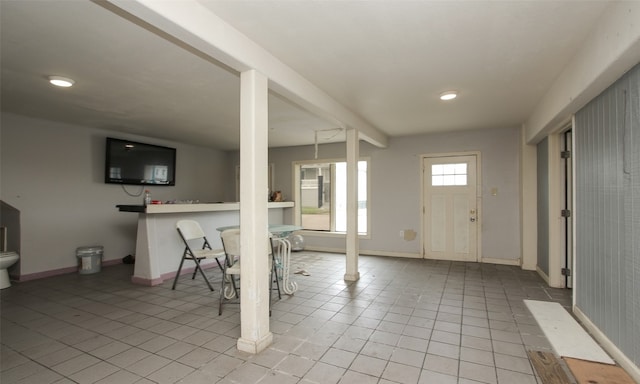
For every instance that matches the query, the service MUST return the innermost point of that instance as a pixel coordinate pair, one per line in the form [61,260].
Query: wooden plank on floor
[548,367]
[566,335]
[592,372]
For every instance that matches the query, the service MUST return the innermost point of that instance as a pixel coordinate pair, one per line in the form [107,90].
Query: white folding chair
[274,265]
[190,232]
[231,266]
[229,289]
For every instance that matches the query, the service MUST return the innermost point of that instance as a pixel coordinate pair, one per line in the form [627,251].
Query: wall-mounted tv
[130,162]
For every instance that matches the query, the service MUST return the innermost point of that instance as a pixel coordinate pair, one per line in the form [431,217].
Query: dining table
[279,234]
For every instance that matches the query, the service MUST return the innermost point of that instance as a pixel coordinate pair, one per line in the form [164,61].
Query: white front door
[450,215]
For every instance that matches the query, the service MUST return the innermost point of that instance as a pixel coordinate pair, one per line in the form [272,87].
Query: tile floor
[404,321]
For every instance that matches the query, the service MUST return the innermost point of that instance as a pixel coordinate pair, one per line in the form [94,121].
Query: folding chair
[190,231]
[274,269]
[231,268]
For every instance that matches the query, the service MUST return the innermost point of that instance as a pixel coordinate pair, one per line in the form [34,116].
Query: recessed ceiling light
[449,95]
[60,81]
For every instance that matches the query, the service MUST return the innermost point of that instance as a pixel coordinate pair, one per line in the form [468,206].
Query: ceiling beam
[192,24]
[612,48]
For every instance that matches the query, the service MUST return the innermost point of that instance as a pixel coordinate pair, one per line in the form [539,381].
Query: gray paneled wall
[608,213]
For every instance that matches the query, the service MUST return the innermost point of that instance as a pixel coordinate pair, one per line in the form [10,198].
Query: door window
[448,174]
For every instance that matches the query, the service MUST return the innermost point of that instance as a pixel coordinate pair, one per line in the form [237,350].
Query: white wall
[612,48]
[54,174]
[395,174]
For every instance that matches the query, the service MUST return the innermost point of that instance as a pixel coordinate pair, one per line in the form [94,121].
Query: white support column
[528,204]
[353,147]
[254,287]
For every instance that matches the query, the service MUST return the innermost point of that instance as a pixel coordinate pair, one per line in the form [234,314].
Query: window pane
[460,169]
[315,196]
[449,169]
[460,179]
[323,206]
[362,197]
[449,174]
[341,197]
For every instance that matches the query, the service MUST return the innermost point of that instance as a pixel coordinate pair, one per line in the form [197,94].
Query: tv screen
[129,162]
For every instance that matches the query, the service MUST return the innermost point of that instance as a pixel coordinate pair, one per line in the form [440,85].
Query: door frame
[567,191]
[478,156]
[556,191]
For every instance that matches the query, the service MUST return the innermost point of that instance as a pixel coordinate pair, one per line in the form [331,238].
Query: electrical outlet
[402,234]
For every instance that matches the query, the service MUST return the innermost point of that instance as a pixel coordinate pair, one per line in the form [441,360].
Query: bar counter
[158,245]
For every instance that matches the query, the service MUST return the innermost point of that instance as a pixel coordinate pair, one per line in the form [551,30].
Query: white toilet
[7,259]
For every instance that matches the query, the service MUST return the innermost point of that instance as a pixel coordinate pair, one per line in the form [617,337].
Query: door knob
[472,219]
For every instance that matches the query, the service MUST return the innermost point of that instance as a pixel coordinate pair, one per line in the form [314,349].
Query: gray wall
[395,176]
[607,217]
[543,205]
[54,174]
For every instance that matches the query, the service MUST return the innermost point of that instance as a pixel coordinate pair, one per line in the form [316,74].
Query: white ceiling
[386,61]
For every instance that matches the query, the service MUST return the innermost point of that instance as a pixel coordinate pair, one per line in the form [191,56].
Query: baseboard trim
[60,271]
[528,267]
[410,255]
[619,356]
[170,275]
[492,260]
[148,282]
[543,275]
[108,263]
[352,276]
[254,346]
[45,274]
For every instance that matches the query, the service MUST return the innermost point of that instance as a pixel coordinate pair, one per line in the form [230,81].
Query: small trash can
[89,259]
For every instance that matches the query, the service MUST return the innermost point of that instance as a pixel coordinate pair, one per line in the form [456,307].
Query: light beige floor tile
[324,373]
[405,320]
[401,373]
[170,373]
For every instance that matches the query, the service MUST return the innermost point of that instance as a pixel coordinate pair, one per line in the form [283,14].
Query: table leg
[284,254]
[229,291]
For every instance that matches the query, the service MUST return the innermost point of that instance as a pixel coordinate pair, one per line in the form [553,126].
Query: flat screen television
[133,163]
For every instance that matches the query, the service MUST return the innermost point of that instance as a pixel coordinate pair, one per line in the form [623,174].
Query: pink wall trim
[147,282]
[108,263]
[42,275]
[58,272]
[169,276]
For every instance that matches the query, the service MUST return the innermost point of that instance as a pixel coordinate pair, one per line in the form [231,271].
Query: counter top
[130,208]
[200,207]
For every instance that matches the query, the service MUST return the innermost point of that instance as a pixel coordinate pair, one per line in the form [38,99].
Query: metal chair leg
[274,271]
[206,280]
[175,280]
